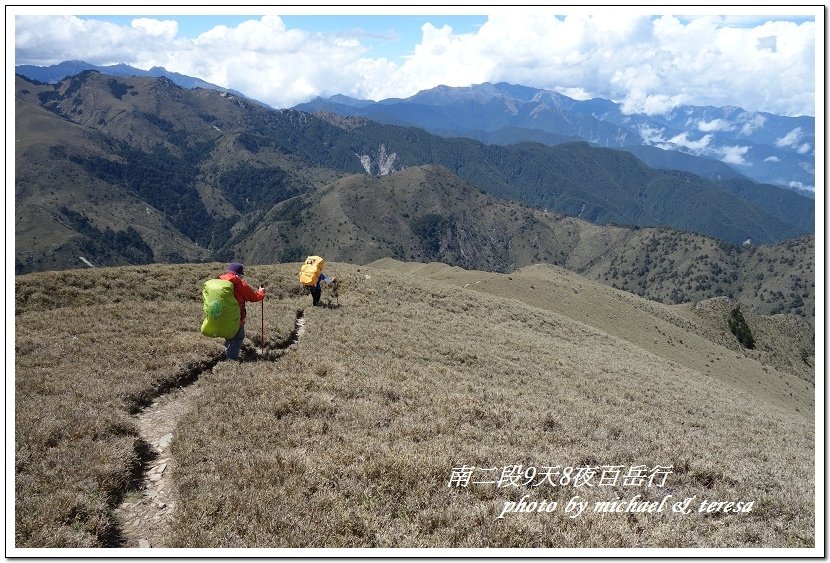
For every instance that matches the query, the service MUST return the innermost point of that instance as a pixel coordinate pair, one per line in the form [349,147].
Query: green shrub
[431,228]
[738,326]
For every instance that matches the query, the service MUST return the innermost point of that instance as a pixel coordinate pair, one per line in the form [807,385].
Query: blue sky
[649,59]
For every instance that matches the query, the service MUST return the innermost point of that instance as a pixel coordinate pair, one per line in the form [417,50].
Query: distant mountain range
[716,143]
[121,170]
[53,74]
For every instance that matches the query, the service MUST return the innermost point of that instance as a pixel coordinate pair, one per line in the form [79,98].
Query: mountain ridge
[152,170]
[417,215]
[52,74]
[760,145]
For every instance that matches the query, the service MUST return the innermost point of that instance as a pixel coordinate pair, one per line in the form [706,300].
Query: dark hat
[236,268]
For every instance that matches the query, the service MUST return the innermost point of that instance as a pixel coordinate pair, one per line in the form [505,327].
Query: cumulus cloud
[697,146]
[700,147]
[734,155]
[45,40]
[757,120]
[801,186]
[793,139]
[768,43]
[575,93]
[715,125]
[448,58]
[772,159]
[158,28]
[269,62]
[651,104]
[790,139]
[651,135]
[647,64]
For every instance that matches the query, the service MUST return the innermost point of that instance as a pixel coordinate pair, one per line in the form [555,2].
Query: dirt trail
[145,514]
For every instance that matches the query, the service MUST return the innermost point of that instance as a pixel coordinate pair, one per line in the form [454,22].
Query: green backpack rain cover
[221,309]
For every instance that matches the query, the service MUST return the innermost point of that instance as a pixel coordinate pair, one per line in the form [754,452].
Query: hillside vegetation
[511,113]
[427,213]
[650,325]
[115,171]
[129,170]
[351,438]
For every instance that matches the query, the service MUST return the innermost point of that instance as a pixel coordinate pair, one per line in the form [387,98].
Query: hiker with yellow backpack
[224,306]
[311,276]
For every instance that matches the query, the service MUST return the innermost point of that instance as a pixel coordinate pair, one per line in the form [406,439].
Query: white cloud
[772,159]
[790,139]
[757,121]
[575,93]
[742,20]
[698,146]
[651,135]
[715,125]
[442,57]
[805,148]
[646,64]
[734,155]
[166,28]
[801,186]
[735,68]
[269,62]
[45,40]
[658,104]
[701,147]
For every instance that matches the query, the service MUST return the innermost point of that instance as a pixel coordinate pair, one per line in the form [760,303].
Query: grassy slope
[348,222]
[676,332]
[350,439]
[45,182]
[90,345]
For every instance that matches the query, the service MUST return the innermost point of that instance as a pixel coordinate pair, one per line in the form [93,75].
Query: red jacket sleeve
[248,292]
[241,290]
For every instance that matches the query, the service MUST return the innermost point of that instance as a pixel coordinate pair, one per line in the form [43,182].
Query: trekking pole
[262,327]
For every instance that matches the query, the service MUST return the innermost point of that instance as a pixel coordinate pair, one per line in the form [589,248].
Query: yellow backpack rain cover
[221,309]
[311,270]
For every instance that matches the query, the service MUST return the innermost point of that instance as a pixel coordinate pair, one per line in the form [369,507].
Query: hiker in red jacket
[243,292]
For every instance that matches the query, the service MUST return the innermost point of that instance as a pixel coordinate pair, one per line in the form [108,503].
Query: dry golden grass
[350,439]
[694,335]
[91,347]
